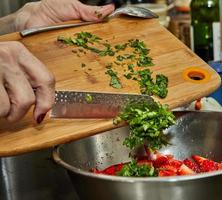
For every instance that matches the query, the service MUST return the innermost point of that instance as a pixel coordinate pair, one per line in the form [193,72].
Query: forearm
[7,24]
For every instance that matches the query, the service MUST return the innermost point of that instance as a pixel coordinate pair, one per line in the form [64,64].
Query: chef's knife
[78,104]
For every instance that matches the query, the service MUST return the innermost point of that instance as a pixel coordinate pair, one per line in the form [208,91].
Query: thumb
[95,13]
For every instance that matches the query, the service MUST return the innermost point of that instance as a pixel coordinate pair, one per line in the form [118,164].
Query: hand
[24,81]
[49,12]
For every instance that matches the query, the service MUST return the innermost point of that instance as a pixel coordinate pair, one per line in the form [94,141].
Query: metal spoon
[128,10]
[134,11]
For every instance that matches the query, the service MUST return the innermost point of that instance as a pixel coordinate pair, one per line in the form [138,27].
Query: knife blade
[84,104]
[32,31]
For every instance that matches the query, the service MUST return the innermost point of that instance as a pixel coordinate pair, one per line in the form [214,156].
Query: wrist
[24,15]
[7,24]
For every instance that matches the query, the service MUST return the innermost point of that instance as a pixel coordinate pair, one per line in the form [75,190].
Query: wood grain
[170,56]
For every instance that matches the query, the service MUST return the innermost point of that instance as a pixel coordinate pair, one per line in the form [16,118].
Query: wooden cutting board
[170,57]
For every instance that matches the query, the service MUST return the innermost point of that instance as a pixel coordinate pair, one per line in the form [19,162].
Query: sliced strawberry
[198,159]
[158,154]
[153,155]
[169,156]
[109,171]
[96,171]
[205,164]
[208,166]
[168,167]
[112,170]
[184,170]
[192,165]
[220,166]
[145,162]
[198,104]
[176,163]
[119,167]
[166,173]
[161,160]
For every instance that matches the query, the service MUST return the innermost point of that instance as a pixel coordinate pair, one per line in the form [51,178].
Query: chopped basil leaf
[114,82]
[89,98]
[135,170]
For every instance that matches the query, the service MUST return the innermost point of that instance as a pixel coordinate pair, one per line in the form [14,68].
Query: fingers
[45,95]
[5,103]
[24,81]
[41,80]
[20,94]
[48,12]
[95,13]
[16,92]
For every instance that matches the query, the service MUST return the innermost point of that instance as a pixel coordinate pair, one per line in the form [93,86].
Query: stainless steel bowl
[194,133]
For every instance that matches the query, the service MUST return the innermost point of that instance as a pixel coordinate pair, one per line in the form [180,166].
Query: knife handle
[32,31]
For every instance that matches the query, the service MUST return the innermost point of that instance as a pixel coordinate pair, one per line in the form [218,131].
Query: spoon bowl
[128,10]
[134,11]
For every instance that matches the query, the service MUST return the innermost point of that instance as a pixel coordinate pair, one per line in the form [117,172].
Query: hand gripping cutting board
[189,78]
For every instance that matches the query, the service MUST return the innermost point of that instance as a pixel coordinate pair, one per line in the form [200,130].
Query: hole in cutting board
[196,75]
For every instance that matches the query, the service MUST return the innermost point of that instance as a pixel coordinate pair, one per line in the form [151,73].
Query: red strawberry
[209,165]
[198,159]
[192,165]
[205,164]
[157,154]
[166,173]
[198,104]
[176,163]
[109,171]
[220,166]
[168,167]
[119,167]
[161,160]
[96,171]
[169,156]
[145,162]
[184,170]
[112,170]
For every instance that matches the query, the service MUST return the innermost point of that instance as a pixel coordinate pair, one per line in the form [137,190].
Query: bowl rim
[169,179]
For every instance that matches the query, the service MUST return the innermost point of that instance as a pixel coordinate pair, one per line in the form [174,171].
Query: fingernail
[40,118]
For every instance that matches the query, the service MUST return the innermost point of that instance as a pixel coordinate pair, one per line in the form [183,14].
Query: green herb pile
[135,170]
[149,87]
[147,122]
[135,64]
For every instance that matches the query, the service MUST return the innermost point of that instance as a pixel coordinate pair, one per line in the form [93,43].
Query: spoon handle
[32,31]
